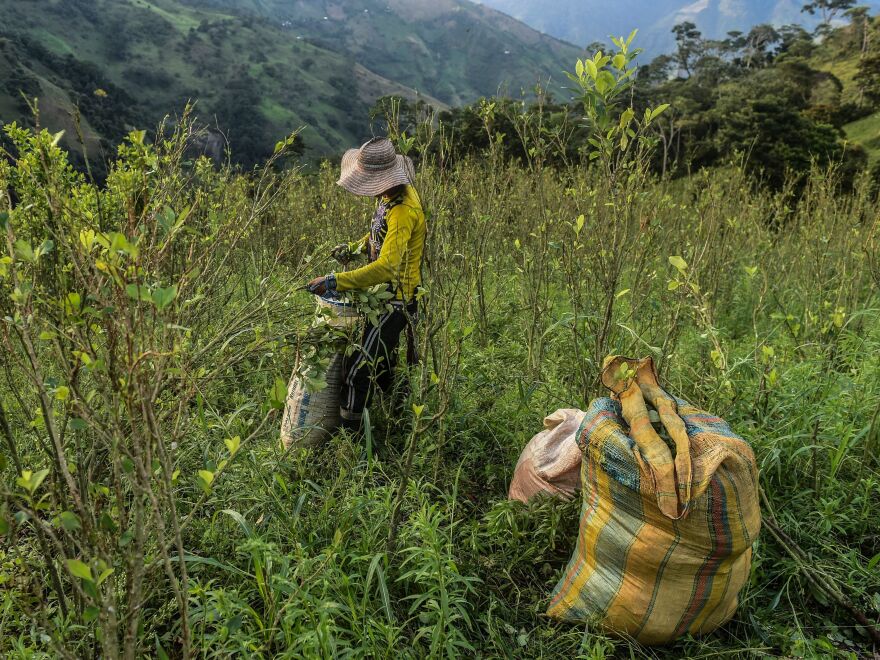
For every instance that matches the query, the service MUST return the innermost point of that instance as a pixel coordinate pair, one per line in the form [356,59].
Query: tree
[868,74]
[860,25]
[690,46]
[774,139]
[758,43]
[795,40]
[868,78]
[827,10]
[656,72]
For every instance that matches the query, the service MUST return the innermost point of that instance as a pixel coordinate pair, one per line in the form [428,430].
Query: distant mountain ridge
[584,21]
[455,50]
[258,68]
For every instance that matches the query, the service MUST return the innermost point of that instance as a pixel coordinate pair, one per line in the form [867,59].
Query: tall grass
[147,325]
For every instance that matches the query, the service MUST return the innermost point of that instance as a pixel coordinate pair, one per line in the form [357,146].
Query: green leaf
[233,444]
[418,410]
[4,526]
[160,652]
[69,521]
[278,394]
[751,271]
[205,479]
[30,481]
[237,517]
[605,82]
[4,220]
[679,263]
[138,292]
[47,246]
[24,251]
[591,68]
[90,614]
[62,392]
[106,523]
[80,569]
[72,303]
[78,424]
[579,224]
[632,35]
[87,238]
[164,297]
[874,561]
[166,219]
[119,243]
[107,572]
[659,110]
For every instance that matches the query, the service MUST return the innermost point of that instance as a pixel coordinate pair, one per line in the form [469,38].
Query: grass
[54,42]
[274,553]
[183,21]
[866,132]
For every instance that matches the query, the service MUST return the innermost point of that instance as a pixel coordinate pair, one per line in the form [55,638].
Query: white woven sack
[551,462]
[311,418]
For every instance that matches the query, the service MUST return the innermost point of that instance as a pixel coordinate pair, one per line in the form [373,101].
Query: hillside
[866,133]
[452,49]
[584,21]
[838,56]
[258,68]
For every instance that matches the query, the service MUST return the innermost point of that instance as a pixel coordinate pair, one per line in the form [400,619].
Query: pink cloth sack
[551,462]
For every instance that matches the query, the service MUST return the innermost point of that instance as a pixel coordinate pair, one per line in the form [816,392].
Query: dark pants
[372,364]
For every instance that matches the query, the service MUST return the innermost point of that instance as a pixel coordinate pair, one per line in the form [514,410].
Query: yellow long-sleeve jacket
[394,245]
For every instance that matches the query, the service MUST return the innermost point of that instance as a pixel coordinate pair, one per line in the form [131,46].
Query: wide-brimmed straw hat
[375,168]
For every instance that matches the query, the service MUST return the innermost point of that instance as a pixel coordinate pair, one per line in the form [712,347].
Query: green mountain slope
[452,49]
[258,68]
[839,55]
[866,133]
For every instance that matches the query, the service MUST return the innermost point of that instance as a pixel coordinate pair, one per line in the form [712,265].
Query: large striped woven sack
[667,528]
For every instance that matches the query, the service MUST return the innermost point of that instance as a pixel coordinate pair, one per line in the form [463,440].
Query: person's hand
[317,286]
[342,253]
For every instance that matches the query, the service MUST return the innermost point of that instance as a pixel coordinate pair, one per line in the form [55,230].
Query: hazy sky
[584,21]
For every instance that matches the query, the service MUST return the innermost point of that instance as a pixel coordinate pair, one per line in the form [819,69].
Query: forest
[776,98]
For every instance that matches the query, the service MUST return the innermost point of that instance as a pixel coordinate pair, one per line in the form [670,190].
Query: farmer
[394,250]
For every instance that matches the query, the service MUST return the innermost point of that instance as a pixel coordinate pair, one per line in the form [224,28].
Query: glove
[317,286]
[322,285]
